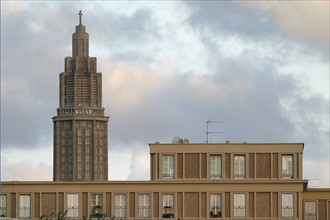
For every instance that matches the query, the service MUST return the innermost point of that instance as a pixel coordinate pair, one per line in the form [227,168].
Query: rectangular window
[97,200]
[168,166]
[3,206]
[239,205]
[120,206]
[168,206]
[287,166]
[215,206]
[239,166]
[287,205]
[25,206]
[97,205]
[310,210]
[73,205]
[215,166]
[144,206]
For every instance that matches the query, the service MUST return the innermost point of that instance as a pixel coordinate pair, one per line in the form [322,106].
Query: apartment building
[188,181]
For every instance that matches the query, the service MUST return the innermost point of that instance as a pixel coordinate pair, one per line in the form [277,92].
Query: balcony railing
[80,111]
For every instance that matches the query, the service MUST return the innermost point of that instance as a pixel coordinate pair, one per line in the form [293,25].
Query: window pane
[97,199]
[120,205]
[215,206]
[144,206]
[239,205]
[3,205]
[73,205]
[215,166]
[168,206]
[287,166]
[287,205]
[310,210]
[25,206]
[239,166]
[168,166]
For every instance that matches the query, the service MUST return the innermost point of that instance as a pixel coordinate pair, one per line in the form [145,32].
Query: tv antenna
[208,123]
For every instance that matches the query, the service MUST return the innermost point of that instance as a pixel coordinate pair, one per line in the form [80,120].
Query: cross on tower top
[80,14]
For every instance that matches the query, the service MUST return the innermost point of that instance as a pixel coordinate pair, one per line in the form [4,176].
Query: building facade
[188,181]
[80,127]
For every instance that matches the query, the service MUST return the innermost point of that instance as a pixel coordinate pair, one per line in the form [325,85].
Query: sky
[261,67]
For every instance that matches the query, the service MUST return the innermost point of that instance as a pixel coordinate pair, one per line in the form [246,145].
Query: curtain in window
[287,166]
[239,166]
[215,205]
[215,165]
[168,166]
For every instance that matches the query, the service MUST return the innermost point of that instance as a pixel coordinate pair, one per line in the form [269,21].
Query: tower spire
[80,15]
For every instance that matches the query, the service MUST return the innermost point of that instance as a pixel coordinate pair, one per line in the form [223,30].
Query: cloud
[166,71]
[305,21]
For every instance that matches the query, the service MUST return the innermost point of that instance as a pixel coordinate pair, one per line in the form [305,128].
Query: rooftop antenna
[208,123]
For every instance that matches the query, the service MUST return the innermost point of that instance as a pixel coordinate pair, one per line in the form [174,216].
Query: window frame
[217,167]
[121,207]
[27,210]
[167,166]
[73,209]
[241,174]
[144,209]
[287,207]
[97,201]
[239,210]
[217,202]
[285,173]
[168,208]
[310,215]
[4,205]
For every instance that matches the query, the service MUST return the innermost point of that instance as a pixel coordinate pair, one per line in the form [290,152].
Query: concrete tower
[80,127]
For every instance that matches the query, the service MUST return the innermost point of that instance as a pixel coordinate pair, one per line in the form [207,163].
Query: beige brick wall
[37,205]
[180,166]
[263,205]
[84,203]
[48,202]
[13,204]
[275,165]
[227,166]
[179,205]
[60,202]
[263,165]
[204,166]
[107,208]
[156,205]
[251,204]
[251,166]
[191,163]
[191,205]
[132,204]
[203,205]
[322,209]
[227,204]
[329,210]
[275,205]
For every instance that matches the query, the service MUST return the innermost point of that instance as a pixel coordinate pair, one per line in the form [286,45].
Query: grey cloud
[228,18]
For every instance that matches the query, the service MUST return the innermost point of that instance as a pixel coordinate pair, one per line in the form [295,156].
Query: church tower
[80,127]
